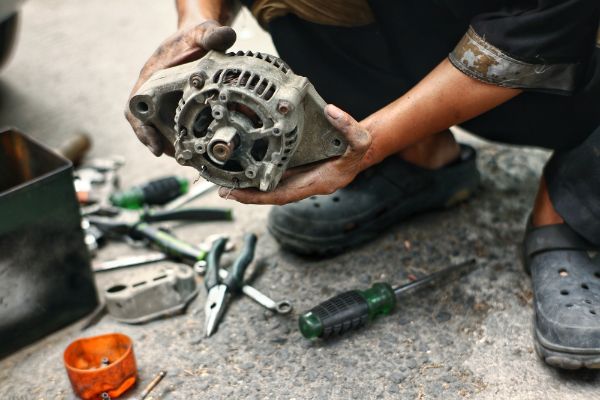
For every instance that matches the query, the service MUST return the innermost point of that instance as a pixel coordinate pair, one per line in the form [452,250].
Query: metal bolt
[181,160]
[284,107]
[105,396]
[197,81]
[218,112]
[199,148]
[187,154]
[250,172]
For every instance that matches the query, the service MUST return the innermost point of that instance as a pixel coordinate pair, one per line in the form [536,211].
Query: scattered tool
[279,307]
[94,182]
[354,309]
[129,261]
[152,384]
[156,192]
[151,294]
[195,192]
[76,147]
[137,227]
[220,290]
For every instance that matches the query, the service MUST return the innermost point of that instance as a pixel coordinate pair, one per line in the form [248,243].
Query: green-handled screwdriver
[156,192]
[354,309]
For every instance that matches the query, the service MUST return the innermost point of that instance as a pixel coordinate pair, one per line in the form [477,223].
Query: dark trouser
[362,69]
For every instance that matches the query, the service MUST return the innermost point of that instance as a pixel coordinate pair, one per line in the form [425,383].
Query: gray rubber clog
[377,199]
[565,273]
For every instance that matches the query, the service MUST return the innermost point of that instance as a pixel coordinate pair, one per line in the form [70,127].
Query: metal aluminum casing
[241,119]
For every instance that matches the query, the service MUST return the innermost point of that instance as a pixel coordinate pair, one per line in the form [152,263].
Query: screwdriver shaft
[447,274]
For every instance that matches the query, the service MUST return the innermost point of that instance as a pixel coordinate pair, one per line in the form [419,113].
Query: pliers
[137,227]
[220,291]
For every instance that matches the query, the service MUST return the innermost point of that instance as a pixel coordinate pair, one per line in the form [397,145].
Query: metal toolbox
[45,277]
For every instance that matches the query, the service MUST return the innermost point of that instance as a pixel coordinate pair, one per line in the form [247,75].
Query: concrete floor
[72,71]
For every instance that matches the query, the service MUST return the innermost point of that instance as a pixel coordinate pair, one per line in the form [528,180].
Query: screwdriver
[156,192]
[354,309]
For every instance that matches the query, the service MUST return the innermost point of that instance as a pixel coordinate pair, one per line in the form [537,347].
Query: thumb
[358,138]
[217,37]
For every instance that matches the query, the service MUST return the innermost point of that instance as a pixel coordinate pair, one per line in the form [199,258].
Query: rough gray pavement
[73,69]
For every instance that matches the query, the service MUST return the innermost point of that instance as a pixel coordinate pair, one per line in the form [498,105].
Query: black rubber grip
[342,313]
[211,277]
[161,191]
[189,214]
[238,269]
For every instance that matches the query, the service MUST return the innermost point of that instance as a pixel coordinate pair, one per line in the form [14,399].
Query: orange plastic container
[101,364]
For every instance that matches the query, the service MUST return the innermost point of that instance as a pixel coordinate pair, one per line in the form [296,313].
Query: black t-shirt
[538,45]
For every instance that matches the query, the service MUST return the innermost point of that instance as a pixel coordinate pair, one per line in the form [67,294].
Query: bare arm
[193,12]
[445,97]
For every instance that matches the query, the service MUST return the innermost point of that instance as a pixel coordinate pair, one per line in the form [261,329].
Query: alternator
[240,119]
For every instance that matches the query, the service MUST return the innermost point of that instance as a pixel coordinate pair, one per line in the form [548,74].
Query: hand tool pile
[130,215]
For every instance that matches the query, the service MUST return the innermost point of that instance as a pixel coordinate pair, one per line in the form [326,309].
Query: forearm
[192,12]
[445,97]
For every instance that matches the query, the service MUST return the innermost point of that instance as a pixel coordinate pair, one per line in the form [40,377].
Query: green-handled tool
[156,192]
[354,309]
[137,227]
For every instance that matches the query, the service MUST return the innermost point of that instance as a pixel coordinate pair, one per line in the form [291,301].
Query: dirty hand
[323,178]
[185,45]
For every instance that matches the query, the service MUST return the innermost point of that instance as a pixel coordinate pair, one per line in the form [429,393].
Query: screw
[197,81]
[181,160]
[104,361]
[183,132]
[105,396]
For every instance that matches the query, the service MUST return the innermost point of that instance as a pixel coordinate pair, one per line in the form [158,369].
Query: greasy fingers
[288,191]
[357,137]
[185,45]
[218,38]
[320,179]
[146,134]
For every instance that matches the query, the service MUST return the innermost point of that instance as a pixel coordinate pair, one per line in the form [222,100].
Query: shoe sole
[565,357]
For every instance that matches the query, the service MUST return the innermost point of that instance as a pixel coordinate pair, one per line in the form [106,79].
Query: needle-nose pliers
[220,291]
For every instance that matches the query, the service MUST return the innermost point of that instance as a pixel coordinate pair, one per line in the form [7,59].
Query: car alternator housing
[241,119]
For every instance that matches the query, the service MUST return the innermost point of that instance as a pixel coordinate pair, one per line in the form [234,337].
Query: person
[524,72]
